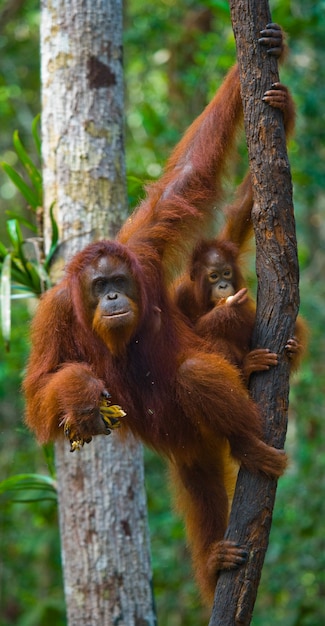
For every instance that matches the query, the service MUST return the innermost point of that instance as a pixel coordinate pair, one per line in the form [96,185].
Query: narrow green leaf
[27,481]
[55,229]
[18,274]
[30,196]
[54,239]
[12,232]
[29,484]
[31,169]
[16,238]
[22,278]
[30,500]
[39,276]
[31,252]
[48,450]
[22,296]
[25,272]
[35,277]
[22,220]
[36,135]
[3,250]
[5,300]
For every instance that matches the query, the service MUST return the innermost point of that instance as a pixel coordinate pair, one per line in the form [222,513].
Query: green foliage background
[176,54]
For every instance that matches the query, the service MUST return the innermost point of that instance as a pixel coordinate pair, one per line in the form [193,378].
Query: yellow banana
[111,414]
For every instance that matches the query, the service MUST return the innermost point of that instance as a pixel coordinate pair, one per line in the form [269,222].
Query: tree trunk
[103,519]
[277,304]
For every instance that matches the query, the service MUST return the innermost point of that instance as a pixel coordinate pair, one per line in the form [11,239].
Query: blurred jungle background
[176,54]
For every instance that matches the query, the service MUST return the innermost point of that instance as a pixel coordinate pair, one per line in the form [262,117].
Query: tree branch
[277,304]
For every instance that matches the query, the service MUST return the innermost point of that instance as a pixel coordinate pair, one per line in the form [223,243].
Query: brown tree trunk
[277,304]
[102,505]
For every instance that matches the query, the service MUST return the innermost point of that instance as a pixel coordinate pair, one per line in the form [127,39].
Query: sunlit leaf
[16,237]
[30,196]
[3,250]
[5,300]
[30,484]
[20,296]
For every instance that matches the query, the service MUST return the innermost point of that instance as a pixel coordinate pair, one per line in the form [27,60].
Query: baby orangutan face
[218,276]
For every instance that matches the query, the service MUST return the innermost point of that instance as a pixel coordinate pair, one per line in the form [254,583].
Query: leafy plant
[30,487]
[24,266]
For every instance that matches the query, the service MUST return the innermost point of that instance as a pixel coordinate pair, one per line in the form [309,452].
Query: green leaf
[31,483]
[17,240]
[30,196]
[33,265]
[23,280]
[39,276]
[36,135]
[27,272]
[20,277]
[48,450]
[20,296]
[31,169]
[15,235]
[34,274]
[3,250]
[5,299]
[54,239]
[22,220]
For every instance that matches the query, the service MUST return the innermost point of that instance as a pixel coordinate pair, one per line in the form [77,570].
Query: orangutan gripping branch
[109,336]
[213,295]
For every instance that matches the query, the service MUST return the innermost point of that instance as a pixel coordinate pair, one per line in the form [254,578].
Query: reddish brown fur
[181,399]
[229,329]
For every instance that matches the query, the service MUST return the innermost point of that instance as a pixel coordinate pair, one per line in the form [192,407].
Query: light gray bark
[103,521]
[82,112]
[102,505]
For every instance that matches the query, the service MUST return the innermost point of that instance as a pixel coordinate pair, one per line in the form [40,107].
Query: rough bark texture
[105,545]
[105,548]
[82,111]
[277,304]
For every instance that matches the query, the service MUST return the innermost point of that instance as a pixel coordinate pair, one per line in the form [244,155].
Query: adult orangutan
[109,333]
